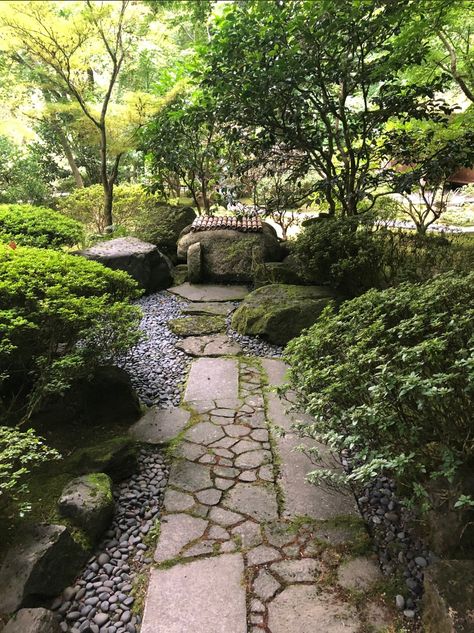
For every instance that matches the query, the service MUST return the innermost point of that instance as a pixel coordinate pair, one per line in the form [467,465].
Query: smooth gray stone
[204,596]
[209,345]
[159,426]
[33,621]
[211,378]
[209,293]
[177,530]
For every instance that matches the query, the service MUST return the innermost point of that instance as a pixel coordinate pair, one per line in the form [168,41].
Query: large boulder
[44,561]
[449,597]
[163,227]
[116,457]
[141,260]
[88,502]
[33,621]
[226,255]
[280,312]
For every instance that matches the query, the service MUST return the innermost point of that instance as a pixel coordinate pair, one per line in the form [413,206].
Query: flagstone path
[246,545]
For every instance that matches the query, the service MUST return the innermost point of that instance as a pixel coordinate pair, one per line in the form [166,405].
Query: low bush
[390,378]
[130,203]
[27,225]
[356,254]
[60,317]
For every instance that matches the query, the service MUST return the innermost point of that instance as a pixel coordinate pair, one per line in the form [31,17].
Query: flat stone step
[210,345]
[204,292]
[301,498]
[204,596]
[160,426]
[217,308]
[212,378]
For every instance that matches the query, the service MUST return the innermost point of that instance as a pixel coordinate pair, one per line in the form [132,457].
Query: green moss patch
[197,325]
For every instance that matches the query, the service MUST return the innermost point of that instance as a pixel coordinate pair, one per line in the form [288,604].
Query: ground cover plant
[28,225]
[390,378]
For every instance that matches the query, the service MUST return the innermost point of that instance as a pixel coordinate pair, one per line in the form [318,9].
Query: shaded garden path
[245,543]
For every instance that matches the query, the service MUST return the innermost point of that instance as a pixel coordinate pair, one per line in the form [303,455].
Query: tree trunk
[69,156]
[107,183]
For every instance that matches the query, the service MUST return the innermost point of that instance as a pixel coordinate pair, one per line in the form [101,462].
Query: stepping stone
[210,345]
[249,533]
[262,554]
[190,476]
[303,570]
[252,459]
[176,531]
[276,371]
[265,585]
[209,497]
[224,517]
[301,497]
[254,500]
[204,433]
[176,501]
[203,596]
[223,309]
[209,293]
[211,378]
[359,573]
[159,426]
[190,451]
[197,325]
[298,607]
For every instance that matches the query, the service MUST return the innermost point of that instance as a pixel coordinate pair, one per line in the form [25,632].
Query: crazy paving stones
[233,553]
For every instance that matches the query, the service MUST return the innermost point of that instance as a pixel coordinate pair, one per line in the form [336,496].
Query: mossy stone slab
[197,325]
[280,312]
[214,308]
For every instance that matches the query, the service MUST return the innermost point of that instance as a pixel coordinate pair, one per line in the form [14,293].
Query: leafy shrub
[356,254]
[130,202]
[390,377]
[341,252]
[37,226]
[20,451]
[60,316]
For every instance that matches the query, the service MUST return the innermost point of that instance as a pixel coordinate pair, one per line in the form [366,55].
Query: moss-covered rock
[198,325]
[280,312]
[88,503]
[116,457]
[163,225]
[179,274]
[230,256]
[276,273]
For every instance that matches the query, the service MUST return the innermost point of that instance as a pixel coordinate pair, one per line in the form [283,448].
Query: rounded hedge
[60,316]
[27,225]
[390,378]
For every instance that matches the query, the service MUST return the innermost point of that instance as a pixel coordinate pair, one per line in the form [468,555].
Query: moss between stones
[279,312]
[197,325]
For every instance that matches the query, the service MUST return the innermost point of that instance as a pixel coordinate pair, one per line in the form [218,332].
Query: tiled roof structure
[212,223]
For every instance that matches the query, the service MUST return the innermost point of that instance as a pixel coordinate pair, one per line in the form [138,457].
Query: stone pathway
[246,545]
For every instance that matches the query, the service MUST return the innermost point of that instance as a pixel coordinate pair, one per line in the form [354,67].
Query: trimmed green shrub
[356,254]
[60,316]
[342,252]
[390,378]
[27,225]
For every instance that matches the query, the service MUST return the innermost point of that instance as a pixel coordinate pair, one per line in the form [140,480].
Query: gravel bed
[398,549]
[157,369]
[252,345]
[100,600]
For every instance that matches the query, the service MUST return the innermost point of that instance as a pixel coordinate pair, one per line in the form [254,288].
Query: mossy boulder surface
[88,503]
[280,312]
[227,256]
[116,457]
[198,325]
